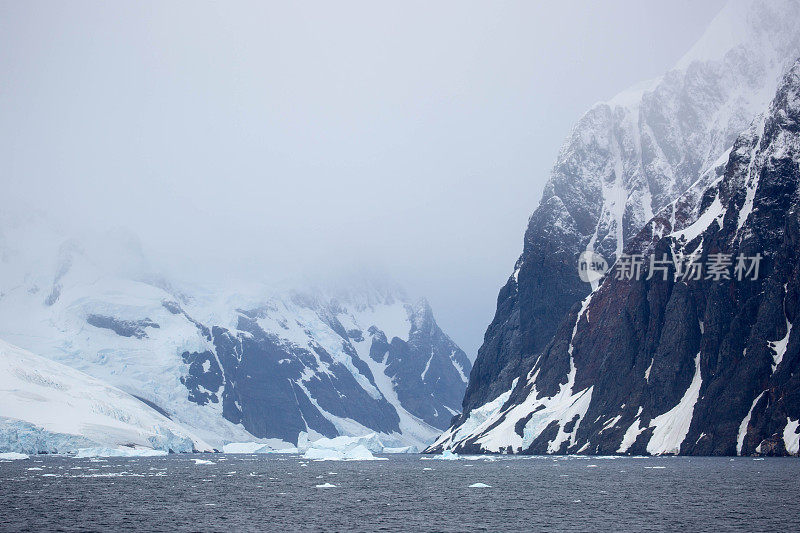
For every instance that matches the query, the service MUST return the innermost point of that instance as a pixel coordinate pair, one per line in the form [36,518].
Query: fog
[265,140]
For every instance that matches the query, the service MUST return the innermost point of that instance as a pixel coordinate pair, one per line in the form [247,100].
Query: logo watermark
[592,266]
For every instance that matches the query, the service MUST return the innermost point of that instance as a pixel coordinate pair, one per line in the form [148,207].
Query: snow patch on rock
[672,427]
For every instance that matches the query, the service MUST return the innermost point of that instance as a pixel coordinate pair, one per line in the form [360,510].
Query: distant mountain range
[223,365]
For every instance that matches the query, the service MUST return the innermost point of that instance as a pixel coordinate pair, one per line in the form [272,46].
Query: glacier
[48,407]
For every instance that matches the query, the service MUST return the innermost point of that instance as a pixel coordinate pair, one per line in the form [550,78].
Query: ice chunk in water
[258,447]
[13,456]
[447,455]
[359,453]
[119,452]
[402,449]
[323,454]
[355,453]
[245,447]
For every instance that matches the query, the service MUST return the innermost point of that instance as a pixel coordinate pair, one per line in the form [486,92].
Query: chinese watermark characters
[717,267]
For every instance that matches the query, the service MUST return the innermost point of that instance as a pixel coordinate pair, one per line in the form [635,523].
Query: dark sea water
[403,493]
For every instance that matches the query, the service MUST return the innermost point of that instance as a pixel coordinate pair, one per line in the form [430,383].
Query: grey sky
[260,139]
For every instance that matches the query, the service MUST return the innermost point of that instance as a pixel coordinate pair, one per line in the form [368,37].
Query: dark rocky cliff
[691,366]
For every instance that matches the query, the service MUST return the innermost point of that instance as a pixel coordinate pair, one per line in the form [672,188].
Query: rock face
[703,365]
[649,152]
[229,364]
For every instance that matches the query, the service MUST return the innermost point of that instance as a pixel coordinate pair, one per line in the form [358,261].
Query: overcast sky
[264,139]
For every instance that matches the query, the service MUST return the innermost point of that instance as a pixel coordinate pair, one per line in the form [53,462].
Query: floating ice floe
[119,452]
[447,455]
[202,462]
[354,453]
[245,447]
[345,448]
[255,448]
[401,449]
[480,486]
[13,456]
[371,442]
[326,486]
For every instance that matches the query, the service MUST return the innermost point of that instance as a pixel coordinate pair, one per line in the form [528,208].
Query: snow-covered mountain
[625,160]
[231,365]
[674,364]
[650,151]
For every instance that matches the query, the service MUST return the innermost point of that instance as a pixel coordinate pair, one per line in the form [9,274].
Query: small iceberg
[326,486]
[13,456]
[323,454]
[203,462]
[250,448]
[401,449]
[84,453]
[372,442]
[480,486]
[245,448]
[355,453]
[359,453]
[447,455]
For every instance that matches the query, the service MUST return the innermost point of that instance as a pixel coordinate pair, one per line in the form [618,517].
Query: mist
[259,141]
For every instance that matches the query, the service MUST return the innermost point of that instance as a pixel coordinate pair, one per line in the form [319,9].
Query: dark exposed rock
[204,377]
[123,328]
[172,307]
[278,389]
[160,410]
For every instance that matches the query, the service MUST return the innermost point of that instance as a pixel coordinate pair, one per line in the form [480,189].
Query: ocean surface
[402,493]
